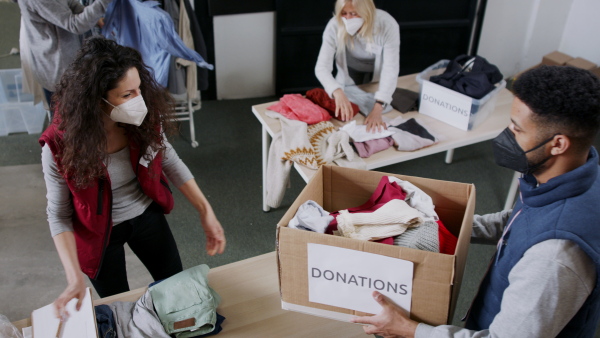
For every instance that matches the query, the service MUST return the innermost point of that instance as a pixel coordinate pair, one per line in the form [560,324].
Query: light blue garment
[150,30]
[186,304]
[364,100]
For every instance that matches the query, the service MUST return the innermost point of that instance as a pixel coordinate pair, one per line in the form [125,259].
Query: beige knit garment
[191,69]
[392,219]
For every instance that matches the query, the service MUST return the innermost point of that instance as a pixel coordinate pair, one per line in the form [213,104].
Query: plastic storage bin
[454,108]
[18,114]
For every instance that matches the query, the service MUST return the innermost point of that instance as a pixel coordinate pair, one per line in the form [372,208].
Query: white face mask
[353,25]
[131,112]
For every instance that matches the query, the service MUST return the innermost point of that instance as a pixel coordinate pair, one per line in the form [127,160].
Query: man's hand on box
[392,321]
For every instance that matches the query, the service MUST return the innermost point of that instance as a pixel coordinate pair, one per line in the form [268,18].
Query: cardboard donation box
[334,277]
[456,109]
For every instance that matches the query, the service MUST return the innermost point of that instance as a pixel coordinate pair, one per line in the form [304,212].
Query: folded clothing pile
[181,306]
[320,97]
[397,213]
[297,107]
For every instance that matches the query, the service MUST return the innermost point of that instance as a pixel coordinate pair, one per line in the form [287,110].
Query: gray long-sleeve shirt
[53,29]
[128,199]
[546,288]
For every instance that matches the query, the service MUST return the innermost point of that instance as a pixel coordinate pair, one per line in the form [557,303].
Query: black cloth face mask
[509,154]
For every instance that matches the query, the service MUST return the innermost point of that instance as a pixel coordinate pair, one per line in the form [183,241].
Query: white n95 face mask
[353,25]
[131,112]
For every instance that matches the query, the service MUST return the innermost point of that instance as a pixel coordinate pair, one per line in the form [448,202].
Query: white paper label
[347,278]
[445,105]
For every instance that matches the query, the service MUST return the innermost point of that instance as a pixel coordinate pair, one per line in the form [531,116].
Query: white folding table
[452,137]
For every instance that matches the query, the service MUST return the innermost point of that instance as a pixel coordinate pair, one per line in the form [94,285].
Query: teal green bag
[185,304]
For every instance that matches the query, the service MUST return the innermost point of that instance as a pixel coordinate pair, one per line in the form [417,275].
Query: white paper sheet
[80,324]
[347,278]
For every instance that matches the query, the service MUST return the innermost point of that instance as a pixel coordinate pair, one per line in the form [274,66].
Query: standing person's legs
[112,277]
[152,241]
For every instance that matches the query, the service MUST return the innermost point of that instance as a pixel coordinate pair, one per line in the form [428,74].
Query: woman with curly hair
[364,42]
[105,157]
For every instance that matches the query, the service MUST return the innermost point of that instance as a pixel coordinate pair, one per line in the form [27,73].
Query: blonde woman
[365,43]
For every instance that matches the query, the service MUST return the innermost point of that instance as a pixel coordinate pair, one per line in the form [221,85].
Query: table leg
[512,192]
[449,155]
[266,142]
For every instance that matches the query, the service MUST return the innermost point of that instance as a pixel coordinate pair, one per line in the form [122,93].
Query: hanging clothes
[199,44]
[150,30]
[30,85]
[190,69]
[176,83]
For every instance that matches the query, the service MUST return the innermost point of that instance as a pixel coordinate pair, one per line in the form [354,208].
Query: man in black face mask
[543,280]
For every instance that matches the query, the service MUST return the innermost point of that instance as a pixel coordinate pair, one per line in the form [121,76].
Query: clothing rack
[184,111]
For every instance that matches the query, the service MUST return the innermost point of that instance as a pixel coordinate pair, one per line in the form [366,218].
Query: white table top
[451,137]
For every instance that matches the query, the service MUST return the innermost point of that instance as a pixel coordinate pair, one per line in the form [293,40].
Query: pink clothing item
[368,148]
[297,107]
[389,240]
[384,193]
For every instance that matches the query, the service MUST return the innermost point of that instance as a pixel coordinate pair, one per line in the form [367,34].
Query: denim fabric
[150,30]
[217,329]
[105,322]
[184,296]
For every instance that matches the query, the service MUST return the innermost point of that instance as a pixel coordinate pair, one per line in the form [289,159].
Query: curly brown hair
[99,67]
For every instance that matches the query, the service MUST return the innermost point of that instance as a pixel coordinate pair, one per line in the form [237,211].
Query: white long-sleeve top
[386,45]
[128,199]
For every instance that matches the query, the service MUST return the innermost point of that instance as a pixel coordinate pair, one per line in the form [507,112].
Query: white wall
[245,55]
[517,33]
[581,35]
[503,34]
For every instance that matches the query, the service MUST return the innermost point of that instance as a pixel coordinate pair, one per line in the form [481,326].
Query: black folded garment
[404,100]
[473,76]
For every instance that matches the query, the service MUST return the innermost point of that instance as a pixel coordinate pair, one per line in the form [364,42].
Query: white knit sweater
[391,219]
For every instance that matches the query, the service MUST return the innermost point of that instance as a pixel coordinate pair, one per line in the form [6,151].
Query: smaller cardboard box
[581,63]
[451,107]
[556,58]
[436,277]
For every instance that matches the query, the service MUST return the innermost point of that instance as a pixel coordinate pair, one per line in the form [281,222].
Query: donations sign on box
[347,278]
[445,105]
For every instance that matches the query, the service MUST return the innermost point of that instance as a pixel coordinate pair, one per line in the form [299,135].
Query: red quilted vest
[92,206]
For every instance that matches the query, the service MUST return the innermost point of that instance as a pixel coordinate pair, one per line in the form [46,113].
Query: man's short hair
[563,99]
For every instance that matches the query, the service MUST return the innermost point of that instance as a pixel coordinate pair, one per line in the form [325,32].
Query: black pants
[150,238]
